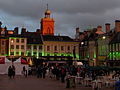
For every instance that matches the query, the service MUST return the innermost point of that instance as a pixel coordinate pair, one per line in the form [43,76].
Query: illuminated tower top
[47,12]
[47,23]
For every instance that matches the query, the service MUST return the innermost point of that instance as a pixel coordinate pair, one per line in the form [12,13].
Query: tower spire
[47,6]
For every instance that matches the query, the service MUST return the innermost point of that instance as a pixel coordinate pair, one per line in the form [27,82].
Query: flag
[2,60]
[74,54]
[23,61]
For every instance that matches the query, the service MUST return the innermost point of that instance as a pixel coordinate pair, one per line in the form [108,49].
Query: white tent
[79,63]
[4,67]
[17,64]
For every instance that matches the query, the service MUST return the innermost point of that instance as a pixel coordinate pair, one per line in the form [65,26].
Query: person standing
[13,71]
[117,84]
[10,71]
[24,71]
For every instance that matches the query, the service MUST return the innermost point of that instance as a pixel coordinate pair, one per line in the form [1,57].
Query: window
[17,53]
[55,54]
[40,47]
[62,54]
[12,46]
[2,52]
[29,54]
[17,46]
[34,53]
[28,47]
[35,47]
[3,42]
[22,53]
[62,48]
[12,53]
[22,40]
[55,48]
[48,48]
[68,47]
[17,40]
[40,54]
[22,46]
[48,54]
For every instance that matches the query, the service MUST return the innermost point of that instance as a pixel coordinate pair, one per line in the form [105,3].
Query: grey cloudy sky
[68,14]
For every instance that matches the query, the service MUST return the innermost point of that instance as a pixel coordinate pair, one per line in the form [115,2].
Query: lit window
[12,41]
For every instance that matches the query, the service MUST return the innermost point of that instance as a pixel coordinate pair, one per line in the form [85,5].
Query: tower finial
[47,6]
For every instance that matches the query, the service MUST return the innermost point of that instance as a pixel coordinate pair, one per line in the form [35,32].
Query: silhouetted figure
[13,71]
[10,71]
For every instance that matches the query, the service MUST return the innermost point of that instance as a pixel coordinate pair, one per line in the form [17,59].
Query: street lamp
[82,43]
[103,37]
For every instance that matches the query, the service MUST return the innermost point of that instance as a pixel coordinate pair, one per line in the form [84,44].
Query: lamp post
[82,49]
[96,45]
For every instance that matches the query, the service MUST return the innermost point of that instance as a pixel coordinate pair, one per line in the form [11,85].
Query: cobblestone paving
[33,83]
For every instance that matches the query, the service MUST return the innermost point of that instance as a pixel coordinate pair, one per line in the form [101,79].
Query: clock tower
[47,23]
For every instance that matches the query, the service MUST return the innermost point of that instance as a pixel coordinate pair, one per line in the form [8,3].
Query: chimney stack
[99,28]
[77,30]
[16,30]
[107,26]
[117,25]
[23,30]
[77,33]
[0,24]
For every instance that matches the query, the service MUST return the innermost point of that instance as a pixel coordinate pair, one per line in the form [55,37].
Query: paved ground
[33,83]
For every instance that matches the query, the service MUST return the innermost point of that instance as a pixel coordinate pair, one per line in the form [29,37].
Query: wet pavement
[34,83]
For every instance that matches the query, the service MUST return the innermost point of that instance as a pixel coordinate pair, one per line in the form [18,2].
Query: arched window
[48,30]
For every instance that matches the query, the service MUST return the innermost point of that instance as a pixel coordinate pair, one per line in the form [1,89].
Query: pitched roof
[18,35]
[116,38]
[33,38]
[57,38]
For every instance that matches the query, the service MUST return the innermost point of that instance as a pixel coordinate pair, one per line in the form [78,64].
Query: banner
[23,61]
[2,60]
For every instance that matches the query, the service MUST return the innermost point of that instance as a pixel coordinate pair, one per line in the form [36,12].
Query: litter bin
[70,82]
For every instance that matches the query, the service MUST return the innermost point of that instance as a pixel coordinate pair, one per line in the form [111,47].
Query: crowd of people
[60,72]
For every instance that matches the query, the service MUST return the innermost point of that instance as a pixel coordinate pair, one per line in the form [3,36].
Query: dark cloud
[68,14]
